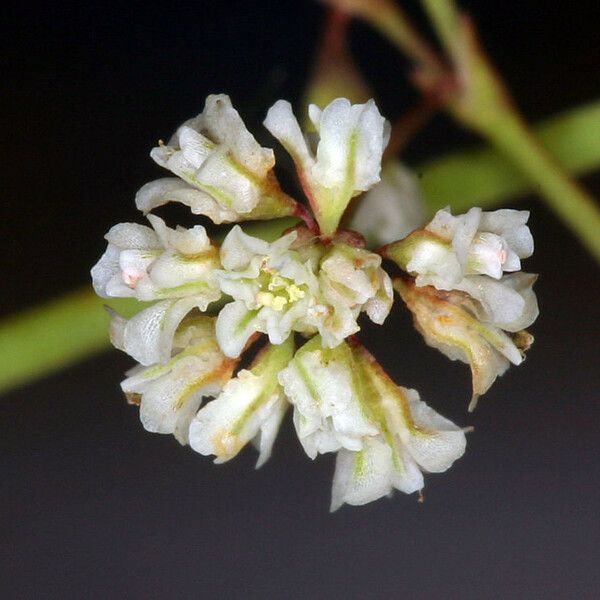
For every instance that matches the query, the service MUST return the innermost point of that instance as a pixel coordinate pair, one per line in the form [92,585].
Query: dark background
[94,507]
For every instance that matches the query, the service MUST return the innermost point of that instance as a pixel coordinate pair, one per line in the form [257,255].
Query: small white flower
[307,287]
[352,281]
[413,438]
[327,404]
[472,253]
[352,138]
[272,287]
[484,243]
[224,173]
[153,264]
[176,266]
[476,243]
[250,407]
[448,321]
[170,393]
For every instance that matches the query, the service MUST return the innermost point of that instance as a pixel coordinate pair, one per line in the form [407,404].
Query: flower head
[297,284]
[207,302]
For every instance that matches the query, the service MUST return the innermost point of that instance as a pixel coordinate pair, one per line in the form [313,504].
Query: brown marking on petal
[350,237]
[133,398]
[207,254]
[226,445]
[444,320]
[221,374]
[522,340]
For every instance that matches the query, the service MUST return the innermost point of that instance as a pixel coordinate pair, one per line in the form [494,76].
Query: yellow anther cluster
[281,292]
[271,300]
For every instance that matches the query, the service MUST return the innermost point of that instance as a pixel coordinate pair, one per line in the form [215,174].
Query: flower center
[276,291]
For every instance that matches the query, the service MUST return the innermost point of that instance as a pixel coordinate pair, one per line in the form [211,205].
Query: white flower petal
[407,477]
[509,303]
[350,147]
[364,476]
[467,226]
[106,275]
[235,326]
[511,225]
[327,411]
[265,438]
[436,442]
[238,249]
[250,406]
[373,472]
[158,409]
[224,125]
[378,307]
[391,209]
[185,241]
[282,124]
[148,336]
[132,235]
[169,189]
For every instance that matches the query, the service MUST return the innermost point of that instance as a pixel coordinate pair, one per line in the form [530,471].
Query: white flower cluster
[469,298]
[209,301]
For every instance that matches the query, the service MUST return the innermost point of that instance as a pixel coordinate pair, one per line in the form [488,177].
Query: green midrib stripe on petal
[245,320]
[348,188]
[333,204]
[371,395]
[261,399]
[194,286]
[267,365]
[195,350]
[360,465]
[307,379]
[221,197]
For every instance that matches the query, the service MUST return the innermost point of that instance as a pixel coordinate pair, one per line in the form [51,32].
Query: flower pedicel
[210,302]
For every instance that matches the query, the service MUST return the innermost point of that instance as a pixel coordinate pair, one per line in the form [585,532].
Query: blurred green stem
[482,103]
[55,335]
[485,177]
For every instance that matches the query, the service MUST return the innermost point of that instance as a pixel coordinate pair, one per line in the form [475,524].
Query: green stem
[54,335]
[565,196]
[485,177]
[387,17]
[483,104]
